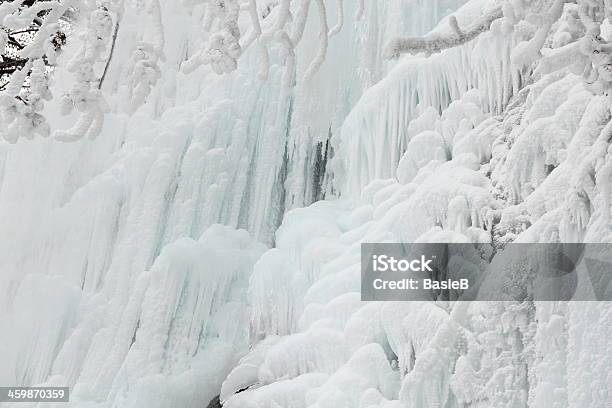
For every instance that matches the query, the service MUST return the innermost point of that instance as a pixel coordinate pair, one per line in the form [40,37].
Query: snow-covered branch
[435,43]
[282,22]
[336,29]
[85,97]
[30,41]
[144,65]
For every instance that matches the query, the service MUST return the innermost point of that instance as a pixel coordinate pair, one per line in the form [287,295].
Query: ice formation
[471,354]
[119,280]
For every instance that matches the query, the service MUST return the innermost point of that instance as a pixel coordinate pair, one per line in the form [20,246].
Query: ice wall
[467,166]
[476,354]
[376,132]
[122,285]
[112,263]
[354,64]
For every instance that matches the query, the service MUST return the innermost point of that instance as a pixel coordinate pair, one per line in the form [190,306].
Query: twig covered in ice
[336,29]
[433,43]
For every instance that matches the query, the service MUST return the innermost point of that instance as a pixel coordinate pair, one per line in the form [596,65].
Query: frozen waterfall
[205,246]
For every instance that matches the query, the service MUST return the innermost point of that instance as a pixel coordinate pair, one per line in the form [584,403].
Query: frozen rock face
[477,354]
[142,340]
[116,278]
[535,171]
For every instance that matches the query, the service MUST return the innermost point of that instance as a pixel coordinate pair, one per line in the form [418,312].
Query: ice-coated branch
[223,48]
[336,29]
[29,44]
[323,42]
[434,43]
[281,22]
[528,52]
[289,75]
[144,64]
[360,10]
[560,58]
[283,15]
[300,21]
[85,97]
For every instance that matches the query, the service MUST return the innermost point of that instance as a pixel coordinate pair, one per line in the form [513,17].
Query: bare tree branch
[13,41]
[13,64]
[112,51]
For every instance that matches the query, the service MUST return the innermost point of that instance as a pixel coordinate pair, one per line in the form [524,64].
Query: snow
[455,181]
[106,220]
[127,269]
